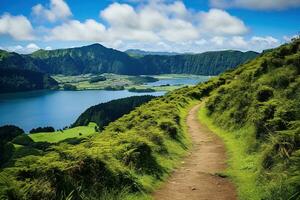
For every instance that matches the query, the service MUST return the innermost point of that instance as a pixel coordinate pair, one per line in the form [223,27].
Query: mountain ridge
[96,58]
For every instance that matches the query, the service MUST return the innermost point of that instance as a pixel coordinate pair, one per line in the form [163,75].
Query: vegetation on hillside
[16,80]
[208,63]
[42,129]
[99,59]
[7,134]
[256,106]
[126,160]
[104,113]
[260,106]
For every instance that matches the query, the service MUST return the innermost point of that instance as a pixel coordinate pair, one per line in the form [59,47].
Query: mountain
[140,53]
[208,63]
[99,59]
[88,59]
[14,60]
[254,108]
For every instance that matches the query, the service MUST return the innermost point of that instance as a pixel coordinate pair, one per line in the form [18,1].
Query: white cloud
[158,25]
[18,27]
[74,30]
[57,10]
[220,22]
[238,41]
[31,47]
[218,40]
[269,40]
[48,48]
[289,38]
[152,22]
[256,4]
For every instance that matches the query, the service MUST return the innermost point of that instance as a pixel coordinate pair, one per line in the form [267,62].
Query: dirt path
[196,178]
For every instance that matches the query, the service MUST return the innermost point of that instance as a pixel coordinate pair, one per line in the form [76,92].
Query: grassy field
[82,82]
[57,136]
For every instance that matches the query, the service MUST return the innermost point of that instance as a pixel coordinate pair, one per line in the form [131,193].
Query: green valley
[254,109]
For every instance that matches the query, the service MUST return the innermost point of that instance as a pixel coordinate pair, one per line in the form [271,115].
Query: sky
[153,25]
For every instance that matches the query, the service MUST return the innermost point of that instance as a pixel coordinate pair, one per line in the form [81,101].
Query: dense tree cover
[42,129]
[15,80]
[7,134]
[14,60]
[104,113]
[262,98]
[133,89]
[114,87]
[99,59]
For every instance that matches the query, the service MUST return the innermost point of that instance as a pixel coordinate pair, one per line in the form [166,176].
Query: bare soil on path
[196,178]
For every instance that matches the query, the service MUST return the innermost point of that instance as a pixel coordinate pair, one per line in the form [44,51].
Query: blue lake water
[61,108]
[53,108]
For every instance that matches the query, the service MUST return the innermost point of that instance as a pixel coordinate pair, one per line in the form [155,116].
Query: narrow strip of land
[197,177]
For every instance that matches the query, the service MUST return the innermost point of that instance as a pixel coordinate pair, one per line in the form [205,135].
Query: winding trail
[196,178]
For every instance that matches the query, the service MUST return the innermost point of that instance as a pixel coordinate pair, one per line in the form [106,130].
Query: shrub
[264,94]
[97,79]
[42,129]
[23,140]
[139,156]
[170,128]
[69,87]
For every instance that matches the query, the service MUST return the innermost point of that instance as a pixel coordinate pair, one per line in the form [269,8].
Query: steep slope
[259,107]
[99,59]
[14,60]
[88,59]
[209,63]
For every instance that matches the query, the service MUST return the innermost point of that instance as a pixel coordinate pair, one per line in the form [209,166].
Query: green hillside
[259,108]
[208,63]
[104,113]
[254,108]
[17,80]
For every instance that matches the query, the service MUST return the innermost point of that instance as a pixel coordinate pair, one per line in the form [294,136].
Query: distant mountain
[99,59]
[208,63]
[94,58]
[140,53]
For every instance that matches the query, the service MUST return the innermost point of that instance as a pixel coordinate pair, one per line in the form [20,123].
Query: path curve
[196,178]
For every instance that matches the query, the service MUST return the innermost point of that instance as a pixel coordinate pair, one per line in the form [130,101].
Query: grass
[82,81]
[242,166]
[57,136]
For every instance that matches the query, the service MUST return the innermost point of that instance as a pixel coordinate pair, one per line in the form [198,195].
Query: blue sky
[154,25]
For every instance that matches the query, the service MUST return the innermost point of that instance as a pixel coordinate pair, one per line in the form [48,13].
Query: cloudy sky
[154,25]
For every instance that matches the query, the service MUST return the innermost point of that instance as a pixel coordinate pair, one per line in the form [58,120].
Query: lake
[53,108]
[61,108]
